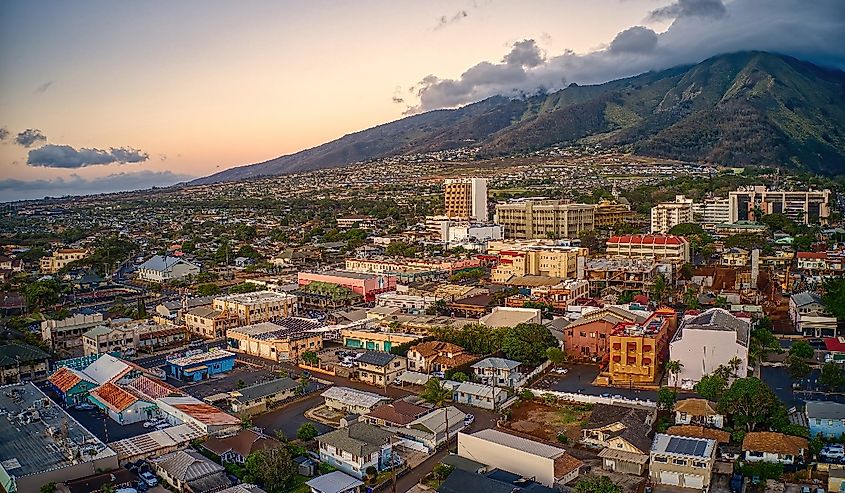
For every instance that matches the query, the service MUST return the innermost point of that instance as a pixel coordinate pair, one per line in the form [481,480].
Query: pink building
[367,285]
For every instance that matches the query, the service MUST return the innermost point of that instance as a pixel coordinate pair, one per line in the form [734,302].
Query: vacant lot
[546,421]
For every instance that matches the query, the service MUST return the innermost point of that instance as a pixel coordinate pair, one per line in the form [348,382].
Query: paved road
[779,380]
[289,418]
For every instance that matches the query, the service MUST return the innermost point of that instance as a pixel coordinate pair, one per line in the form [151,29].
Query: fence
[593,399]
[316,369]
[537,371]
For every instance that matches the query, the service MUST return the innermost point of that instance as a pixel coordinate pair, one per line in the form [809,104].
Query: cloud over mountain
[76,185]
[65,156]
[700,29]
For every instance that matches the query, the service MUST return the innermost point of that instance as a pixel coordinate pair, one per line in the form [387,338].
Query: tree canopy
[527,343]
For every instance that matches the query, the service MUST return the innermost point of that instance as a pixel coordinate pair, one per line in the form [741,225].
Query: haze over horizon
[106,96]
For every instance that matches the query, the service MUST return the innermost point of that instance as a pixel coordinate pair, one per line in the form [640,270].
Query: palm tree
[735,363]
[437,394]
[674,367]
[658,289]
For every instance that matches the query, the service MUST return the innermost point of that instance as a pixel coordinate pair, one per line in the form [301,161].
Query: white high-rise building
[466,198]
[666,215]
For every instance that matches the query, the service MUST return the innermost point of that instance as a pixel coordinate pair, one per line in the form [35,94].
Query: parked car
[149,478]
[83,406]
[561,371]
[805,489]
[736,483]
[468,419]
[438,374]
[162,426]
[833,451]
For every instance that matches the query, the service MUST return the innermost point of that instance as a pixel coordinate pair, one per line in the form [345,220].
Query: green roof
[14,353]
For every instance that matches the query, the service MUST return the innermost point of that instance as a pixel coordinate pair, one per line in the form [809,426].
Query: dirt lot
[547,421]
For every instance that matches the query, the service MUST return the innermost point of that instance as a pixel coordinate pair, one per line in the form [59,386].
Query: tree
[273,468]
[556,355]
[48,488]
[831,378]
[441,472]
[749,402]
[711,387]
[659,288]
[307,432]
[311,358]
[691,299]
[208,289]
[798,368]
[834,296]
[42,294]
[460,376]
[801,349]
[597,484]
[666,398]
[435,393]
[527,343]
[674,367]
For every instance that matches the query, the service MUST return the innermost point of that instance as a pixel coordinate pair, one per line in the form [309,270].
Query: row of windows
[679,462]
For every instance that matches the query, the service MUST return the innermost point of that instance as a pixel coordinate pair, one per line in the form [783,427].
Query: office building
[259,306]
[667,215]
[466,198]
[530,219]
[806,207]
[663,247]
[712,211]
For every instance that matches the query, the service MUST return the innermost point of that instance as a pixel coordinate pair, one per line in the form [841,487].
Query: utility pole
[392,465]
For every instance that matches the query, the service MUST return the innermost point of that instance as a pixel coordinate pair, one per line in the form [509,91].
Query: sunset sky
[107,95]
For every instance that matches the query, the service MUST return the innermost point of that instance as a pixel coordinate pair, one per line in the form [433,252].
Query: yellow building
[282,341]
[528,219]
[610,213]
[375,340]
[466,198]
[209,323]
[637,350]
[60,259]
[559,262]
[260,306]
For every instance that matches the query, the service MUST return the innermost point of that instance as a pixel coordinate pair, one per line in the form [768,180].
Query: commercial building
[588,337]
[682,461]
[395,265]
[664,247]
[550,261]
[42,443]
[546,464]
[529,219]
[608,214]
[22,362]
[261,397]
[712,211]
[205,417]
[200,366]
[258,306]
[806,207]
[60,259]
[667,215]
[469,234]
[503,316]
[65,336]
[363,284]
[284,340]
[209,323]
[374,339]
[162,268]
[637,350]
[352,401]
[466,198]
[119,404]
[130,338]
[558,296]
[408,303]
[706,341]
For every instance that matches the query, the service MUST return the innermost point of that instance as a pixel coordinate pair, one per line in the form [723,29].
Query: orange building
[638,350]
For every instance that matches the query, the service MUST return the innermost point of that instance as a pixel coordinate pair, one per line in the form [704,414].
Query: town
[578,320]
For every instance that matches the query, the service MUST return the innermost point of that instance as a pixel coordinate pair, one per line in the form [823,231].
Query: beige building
[529,219]
[60,259]
[282,341]
[209,323]
[466,198]
[806,207]
[259,306]
[557,261]
[663,247]
[610,213]
[132,337]
[379,368]
[65,336]
[682,461]
[667,215]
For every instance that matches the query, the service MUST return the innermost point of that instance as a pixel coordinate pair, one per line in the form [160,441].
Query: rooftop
[265,389]
[716,319]
[12,354]
[682,446]
[825,410]
[353,396]
[360,439]
[775,443]
[257,297]
[334,482]
[376,358]
[523,444]
[210,355]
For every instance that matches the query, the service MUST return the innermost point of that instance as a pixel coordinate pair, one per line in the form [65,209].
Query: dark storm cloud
[65,156]
[637,39]
[688,8]
[816,33]
[76,185]
[444,20]
[30,137]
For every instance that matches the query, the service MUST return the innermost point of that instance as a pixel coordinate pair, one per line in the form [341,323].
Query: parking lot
[289,418]
[240,376]
[579,380]
[335,356]
[105,428]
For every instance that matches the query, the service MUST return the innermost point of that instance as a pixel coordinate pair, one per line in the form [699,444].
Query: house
[483,396]
[60,259]
[161,269]
[498,372]
[260,397]
[378,368]
[768,446]
[698,412]
[398,413]
[497,481]
[437,356]
[190,472]
[243,488]
[120,404]
[549,465]
[825,418]
[698,431]
[352,401]
[430,429]
[620,428]
[237,447]
[810,317]
[200,366]
[186,409]
[21,362]
[334,482]
[355,448]
[588,336]
[682,461]
[706,341]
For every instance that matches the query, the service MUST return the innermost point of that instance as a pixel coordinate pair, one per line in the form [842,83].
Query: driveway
[290,417]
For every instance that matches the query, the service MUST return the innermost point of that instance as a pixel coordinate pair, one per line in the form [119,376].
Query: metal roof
[523,444]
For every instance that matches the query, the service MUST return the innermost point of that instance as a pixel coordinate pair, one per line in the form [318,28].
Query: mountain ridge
[745,108]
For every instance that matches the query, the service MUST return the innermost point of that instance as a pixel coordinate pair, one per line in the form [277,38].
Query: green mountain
[748,108]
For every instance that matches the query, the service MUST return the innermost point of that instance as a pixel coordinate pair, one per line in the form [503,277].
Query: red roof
[648,239]
[816,255]
[64,379]
[113,396]
[836,344]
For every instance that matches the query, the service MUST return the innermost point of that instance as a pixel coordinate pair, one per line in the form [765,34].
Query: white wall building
[704,342]
[666,215]
[161,269]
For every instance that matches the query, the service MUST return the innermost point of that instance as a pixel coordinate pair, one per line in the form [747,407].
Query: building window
[660,459]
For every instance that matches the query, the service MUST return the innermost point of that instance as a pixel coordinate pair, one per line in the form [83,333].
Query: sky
[113,95]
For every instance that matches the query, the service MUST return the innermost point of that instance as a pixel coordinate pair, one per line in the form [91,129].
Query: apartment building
[637,350]
[530,218]
[806,207]
[60,259]
[665,247]
[712,211]
[131,338]
[364,284]
[588,337]
[65,336]
[558,296]
[466,198]
[284,340]
[551,261]
[389,265]
[706,341]
[209,323]
[259,306]
[609,213]
[22,362]
[667,215]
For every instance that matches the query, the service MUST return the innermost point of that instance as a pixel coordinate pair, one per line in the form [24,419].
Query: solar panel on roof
[699,448]
[686,446]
